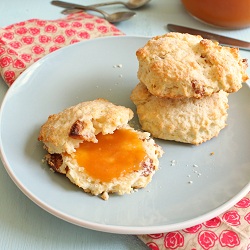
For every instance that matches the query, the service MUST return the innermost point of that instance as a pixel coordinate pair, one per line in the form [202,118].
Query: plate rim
[100,226]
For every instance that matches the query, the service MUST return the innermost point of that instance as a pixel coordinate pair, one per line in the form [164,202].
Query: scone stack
[184,85]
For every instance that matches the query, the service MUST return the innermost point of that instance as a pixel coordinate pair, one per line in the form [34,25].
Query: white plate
[86,71]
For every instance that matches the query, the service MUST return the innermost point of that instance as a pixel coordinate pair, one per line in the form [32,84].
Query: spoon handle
[81,7]
[76,6]
[107,3]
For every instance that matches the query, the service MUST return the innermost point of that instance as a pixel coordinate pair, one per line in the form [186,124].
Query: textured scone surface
[64,131]
[101,117]
[188,120]
[124,184]
[179,65]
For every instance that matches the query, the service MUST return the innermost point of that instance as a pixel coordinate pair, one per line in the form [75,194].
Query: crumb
[173,163]
[212,153]
[195,166]
[117,66]
[190,182]
[105,196]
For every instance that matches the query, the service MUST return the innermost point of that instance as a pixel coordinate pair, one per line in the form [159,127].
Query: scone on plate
[178,65]
[93,145]
[188,120]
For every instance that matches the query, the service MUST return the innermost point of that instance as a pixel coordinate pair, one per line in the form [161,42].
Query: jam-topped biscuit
[93,145]
[188,120]
[178,65]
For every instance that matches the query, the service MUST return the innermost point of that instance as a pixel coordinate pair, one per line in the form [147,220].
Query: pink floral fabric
[24,43]
[230,230]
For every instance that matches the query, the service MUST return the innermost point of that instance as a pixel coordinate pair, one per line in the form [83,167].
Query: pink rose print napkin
[230,230]
[23,43]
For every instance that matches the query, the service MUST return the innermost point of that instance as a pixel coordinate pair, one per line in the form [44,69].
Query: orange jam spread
[114,155]
[224,13]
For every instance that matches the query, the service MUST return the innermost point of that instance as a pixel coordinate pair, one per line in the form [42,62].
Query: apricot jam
[224,13]
[114,155]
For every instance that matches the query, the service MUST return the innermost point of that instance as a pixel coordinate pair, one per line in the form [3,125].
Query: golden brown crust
[178,65]
[82,123]
[188,120]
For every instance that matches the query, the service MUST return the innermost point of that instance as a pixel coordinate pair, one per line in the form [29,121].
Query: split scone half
[93,145]
[178,65]
[188,120]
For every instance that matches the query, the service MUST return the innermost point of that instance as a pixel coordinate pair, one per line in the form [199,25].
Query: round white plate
[107,68]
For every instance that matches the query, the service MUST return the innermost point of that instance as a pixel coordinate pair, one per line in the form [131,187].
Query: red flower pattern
[2,50]
[90,26]
[12,52]
[70,32]
[27,39]
[44,39]
[229,238]
[213,223]
[247,218]
[232,218]
[193,229]
[59,39]
[26,42]
[41,23]
[153,246]
[243,203]
[83,35]
[26,57]
[50,28]
[207,239]
[76,24]
[74,41]
[8,35]
[173,240]
[34,31]
[15,45]
[37,49]
[18,64]
[9,76]
[21,31]
[53,48]
[103,29]
[218,236]
[63,24]
[5,61]
[156,236]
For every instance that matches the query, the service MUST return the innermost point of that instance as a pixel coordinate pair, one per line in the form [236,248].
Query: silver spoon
[112,18]
[131,4]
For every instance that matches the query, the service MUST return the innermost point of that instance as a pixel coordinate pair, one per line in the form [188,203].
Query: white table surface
[24,225]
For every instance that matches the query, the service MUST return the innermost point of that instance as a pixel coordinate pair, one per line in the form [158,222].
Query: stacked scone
[94,146]
[184,85]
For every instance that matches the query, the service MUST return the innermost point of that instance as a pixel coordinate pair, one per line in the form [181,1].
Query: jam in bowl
[229,14]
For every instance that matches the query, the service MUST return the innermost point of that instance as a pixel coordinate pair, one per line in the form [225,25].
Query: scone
[93,145]
[188,120]
[178,65]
